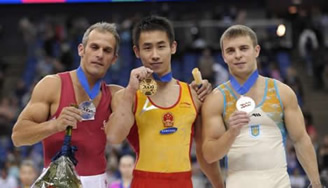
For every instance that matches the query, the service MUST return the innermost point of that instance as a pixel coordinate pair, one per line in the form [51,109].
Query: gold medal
[148,86]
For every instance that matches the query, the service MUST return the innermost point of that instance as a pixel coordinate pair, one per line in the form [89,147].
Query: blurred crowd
[51,46]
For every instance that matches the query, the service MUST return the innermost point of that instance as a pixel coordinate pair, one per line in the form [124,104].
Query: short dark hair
[153,23]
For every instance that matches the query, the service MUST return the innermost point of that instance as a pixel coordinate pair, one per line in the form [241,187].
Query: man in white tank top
[248,117]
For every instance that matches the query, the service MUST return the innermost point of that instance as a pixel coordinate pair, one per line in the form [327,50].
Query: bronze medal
[148,86]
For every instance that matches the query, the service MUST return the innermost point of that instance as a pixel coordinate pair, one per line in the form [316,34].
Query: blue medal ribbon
[166,78]
[92,93]
[242,89]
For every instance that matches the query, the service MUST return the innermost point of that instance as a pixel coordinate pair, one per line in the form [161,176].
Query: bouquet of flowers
[61,171]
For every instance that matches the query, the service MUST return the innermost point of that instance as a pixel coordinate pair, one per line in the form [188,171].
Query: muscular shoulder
[117,92]
[47,88]
[53,78]
[114,88]
[287,95]
[214,101]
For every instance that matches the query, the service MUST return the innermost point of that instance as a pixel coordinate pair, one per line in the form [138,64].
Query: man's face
[155,51]
[240,54]
[98,54]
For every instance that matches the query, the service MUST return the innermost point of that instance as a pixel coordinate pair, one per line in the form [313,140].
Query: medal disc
[88,110]
[245,104]
[148,86]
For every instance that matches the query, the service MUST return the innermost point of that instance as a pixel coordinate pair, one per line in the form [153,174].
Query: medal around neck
[245,104]
[148,86]
[88,110]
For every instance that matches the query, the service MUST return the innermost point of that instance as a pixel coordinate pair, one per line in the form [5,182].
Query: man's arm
[122,119]
[217,141]
[32,125]
[213,170]
[114,88]
[294,122]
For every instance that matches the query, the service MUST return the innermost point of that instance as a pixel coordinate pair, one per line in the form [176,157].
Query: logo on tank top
[168,119]
[256,114]
[168,123]
[254,130]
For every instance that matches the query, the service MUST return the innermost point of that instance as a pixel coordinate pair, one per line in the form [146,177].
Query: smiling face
[240,55]
[155,51]
[98,54]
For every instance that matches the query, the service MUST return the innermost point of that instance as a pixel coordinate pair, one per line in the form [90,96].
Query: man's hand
[236,121]
[202,90]
[136,76]
[69,116]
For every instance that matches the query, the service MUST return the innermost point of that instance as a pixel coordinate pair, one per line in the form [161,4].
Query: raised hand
[202,89]
[136,76]
[237,120]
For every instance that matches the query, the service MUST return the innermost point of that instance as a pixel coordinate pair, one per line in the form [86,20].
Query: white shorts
[258,179]
[96,181]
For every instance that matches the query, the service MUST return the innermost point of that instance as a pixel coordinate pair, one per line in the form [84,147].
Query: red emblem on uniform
[168,119]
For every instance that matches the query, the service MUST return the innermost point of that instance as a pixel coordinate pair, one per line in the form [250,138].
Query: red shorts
[142,179]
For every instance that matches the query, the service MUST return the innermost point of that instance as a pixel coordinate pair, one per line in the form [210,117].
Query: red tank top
[89,137]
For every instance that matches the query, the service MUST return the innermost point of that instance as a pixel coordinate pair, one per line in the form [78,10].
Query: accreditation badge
[88,110]
[245,104]
[148,86]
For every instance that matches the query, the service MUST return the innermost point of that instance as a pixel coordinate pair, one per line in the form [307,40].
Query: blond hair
[238,31]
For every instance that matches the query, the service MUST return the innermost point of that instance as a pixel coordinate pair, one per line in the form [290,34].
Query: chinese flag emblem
[168,119]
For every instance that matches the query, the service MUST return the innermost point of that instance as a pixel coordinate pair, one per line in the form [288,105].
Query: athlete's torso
[156,150]
[89,137]
[258,157]
[263,138]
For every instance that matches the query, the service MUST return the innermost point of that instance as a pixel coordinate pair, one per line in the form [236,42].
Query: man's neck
[162,85]
[91,80]
[242,78]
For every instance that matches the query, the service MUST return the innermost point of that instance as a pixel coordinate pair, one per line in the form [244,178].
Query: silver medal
[245,104]
[88,110]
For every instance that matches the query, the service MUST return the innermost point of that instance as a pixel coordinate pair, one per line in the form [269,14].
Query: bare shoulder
[215,100]
[44,94]
[121,96]
[117,93]
[114,88]
[47,88]
[51,79]
[286,93]
[213,105]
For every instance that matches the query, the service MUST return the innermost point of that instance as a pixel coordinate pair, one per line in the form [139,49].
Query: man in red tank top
[48,112]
